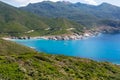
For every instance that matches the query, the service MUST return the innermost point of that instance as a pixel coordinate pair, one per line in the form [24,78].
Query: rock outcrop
[71,37]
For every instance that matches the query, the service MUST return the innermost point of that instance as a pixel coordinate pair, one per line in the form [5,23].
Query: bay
[105,47]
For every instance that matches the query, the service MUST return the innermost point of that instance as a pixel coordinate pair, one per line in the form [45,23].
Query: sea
[104,47]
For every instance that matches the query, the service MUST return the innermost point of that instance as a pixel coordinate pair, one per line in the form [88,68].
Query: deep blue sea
[105,47]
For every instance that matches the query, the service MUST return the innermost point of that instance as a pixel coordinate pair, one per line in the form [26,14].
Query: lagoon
[105,47]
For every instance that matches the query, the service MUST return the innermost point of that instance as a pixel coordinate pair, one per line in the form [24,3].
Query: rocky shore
[75,36]
[70,37]
[59,37]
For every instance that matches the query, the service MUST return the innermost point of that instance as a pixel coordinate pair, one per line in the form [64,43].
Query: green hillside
[21,63]
[18,62]
[8,48]
[87,15]
[16,22]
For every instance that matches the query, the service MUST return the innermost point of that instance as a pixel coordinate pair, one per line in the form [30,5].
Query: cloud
[25,2]
[18,3]
[91,2]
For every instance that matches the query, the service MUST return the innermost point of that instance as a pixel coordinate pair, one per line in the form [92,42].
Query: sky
[19,3]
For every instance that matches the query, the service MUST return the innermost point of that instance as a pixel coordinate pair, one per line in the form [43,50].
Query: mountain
[88,15]
[18,62]
[15,22]
[21,63]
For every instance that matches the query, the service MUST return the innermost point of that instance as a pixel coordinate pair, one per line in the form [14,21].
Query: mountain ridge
[17,22]
[85,14]
[18,62]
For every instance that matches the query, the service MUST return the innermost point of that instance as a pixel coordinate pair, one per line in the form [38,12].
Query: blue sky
[19,3]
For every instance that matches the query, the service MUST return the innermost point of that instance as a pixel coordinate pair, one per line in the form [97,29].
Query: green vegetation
[7,47]
[27,64]
[87,15]
[18,62]
[15,22]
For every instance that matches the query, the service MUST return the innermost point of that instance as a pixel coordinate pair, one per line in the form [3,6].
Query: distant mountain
[18,62]
[16,22]
[88,15]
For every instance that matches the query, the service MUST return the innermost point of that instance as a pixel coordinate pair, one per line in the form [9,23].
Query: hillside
[18,62]
[87,15]
[8,48]
[21,63]
[15,22]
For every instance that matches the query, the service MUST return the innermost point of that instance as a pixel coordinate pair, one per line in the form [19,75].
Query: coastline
[70,37]
[58,37]
[73,36]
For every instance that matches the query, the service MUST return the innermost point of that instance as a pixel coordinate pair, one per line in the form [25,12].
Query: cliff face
[108,29]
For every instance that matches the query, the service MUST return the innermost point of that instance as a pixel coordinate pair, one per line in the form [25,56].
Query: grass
[41,66]
[21,63]
[18,62]
[15,22]
[7,47]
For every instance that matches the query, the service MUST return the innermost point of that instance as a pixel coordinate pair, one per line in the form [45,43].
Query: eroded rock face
[61,37]
[72,37]
[108,29]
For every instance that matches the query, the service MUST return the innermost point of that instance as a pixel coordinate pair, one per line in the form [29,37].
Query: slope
[87,15]
[8,48]
[15,22]
[40,66]
[21,63]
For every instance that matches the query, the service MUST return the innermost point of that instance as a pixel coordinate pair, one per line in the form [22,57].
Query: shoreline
[58,37]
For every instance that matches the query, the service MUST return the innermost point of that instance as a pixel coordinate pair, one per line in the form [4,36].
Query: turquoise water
[101,48]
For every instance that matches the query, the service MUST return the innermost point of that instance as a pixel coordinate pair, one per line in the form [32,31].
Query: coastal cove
[105,47]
